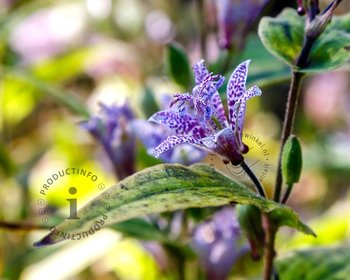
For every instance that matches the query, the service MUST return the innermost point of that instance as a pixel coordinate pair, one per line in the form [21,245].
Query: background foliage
[60,58]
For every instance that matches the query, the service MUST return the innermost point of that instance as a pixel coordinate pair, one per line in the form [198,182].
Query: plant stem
[305,52]
[287,194]
[21,226]
[269,251]
[255,180]
[288,125]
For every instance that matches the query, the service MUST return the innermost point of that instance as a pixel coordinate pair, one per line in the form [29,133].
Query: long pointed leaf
[162,188]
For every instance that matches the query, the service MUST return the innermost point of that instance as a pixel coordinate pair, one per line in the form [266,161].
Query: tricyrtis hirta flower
[201,118]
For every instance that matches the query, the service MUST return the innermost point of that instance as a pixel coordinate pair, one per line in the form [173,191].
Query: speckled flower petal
[252,92]
[218,110]
[152,135]
[240,115]
[200,71]
[181,99]
[236,89]
[240,108]
[181,123]
[173,141]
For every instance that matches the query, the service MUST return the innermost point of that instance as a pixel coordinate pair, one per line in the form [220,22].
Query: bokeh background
[59,59]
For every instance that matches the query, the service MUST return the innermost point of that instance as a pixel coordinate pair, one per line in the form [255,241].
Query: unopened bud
[292,161]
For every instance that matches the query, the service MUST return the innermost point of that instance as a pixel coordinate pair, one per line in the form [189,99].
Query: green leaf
[141,229]
[177,65]
[280,217]
[162,188]
[326,263]
[283,37]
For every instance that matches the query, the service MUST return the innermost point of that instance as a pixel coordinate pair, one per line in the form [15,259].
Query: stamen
[216,121]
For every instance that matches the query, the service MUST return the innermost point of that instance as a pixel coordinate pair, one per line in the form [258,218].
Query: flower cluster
[201,120]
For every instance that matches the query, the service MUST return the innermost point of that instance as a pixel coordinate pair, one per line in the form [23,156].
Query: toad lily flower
[201,118]
[218,243]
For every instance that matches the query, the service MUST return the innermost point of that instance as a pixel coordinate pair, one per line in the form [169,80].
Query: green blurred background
[58,59]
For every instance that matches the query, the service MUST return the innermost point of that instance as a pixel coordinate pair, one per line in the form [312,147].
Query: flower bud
[292,161]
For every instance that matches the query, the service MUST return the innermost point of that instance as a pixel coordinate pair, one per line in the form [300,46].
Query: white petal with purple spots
[236,88]
[181,123]
[173,141]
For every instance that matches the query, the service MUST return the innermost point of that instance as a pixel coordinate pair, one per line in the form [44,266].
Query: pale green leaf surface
[165,188]
[326,263]
[283,35]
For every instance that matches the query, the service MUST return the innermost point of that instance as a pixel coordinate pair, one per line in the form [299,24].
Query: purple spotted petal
[200,71]
[181,99]
[173,141]
[240,108]
[236,89]
[218,110]
[181,123]
[151,135]
[252,92]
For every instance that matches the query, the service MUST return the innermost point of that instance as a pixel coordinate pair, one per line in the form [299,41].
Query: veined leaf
[326,263]
[162,188]
[283,37]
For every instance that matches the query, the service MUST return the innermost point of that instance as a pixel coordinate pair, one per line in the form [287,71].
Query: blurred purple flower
[217,244]
[201,118]
[47,32]
[235,18]
[111,129]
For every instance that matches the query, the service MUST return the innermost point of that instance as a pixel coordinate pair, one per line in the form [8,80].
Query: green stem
[287,194]
[288,125]
[269,251]
[255,180]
